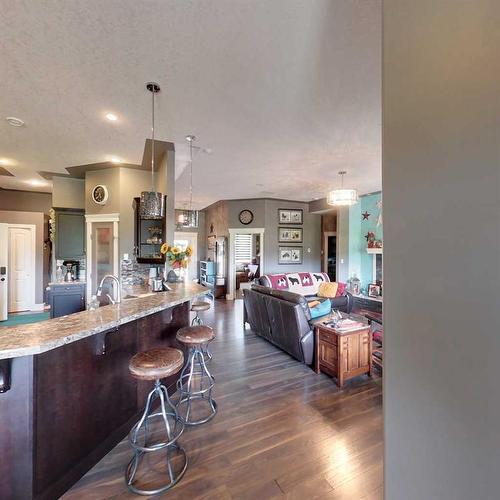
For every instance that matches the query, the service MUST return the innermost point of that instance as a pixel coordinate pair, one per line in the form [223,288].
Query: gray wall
[441,181]
[41,255]
[25,201]
[68,193]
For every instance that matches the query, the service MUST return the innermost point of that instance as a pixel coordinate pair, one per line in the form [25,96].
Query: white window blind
[243,249]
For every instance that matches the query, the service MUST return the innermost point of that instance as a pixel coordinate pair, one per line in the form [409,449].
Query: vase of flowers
[177,258]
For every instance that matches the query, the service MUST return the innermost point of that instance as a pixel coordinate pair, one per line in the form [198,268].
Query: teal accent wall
[360,262]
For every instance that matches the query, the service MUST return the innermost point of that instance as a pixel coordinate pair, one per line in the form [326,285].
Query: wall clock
[100,194]
[246,217]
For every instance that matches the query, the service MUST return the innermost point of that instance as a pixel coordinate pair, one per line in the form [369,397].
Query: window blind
[243,249]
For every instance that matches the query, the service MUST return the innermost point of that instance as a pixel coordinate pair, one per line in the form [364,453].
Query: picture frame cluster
[288,254]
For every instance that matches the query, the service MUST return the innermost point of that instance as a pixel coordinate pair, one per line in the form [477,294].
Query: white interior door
[21,281]
[183,240]
[4,260]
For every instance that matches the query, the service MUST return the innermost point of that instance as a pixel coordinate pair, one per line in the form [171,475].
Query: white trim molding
[232,267]
[89,220]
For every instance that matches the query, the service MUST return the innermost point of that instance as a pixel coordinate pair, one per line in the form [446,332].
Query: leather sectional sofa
[284,319]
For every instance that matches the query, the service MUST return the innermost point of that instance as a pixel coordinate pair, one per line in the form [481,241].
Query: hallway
[281,430]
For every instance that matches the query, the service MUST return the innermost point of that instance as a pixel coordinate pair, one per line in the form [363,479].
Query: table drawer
[325,336]
[328,355]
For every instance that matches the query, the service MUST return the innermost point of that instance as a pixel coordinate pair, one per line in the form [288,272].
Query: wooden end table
[343,355]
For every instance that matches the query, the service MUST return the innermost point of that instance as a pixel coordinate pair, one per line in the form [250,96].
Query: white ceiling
[284,92]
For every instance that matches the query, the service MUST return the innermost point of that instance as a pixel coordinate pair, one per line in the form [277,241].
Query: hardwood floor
[281,430]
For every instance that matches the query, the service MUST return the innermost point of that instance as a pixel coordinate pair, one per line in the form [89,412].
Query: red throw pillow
[340,289]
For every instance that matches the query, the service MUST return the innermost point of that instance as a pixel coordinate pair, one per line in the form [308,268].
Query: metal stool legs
[196,384]
[139,440]
[205,348]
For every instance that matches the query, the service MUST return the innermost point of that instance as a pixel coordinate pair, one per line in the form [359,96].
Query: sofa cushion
[321,309]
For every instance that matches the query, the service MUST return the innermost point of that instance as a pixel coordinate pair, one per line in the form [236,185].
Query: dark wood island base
[69,406]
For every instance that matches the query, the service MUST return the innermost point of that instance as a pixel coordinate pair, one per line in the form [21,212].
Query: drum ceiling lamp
[152,205]
[189,218]
[342,197]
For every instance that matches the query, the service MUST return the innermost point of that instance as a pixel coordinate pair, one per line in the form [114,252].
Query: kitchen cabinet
[149,237]
[66,298]
[70,234]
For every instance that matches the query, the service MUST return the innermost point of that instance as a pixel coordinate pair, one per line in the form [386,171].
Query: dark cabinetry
[149,237]
[70,234]
[66,299]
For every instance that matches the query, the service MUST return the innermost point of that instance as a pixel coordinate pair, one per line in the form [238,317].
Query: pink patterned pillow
[278,281]
[340,289]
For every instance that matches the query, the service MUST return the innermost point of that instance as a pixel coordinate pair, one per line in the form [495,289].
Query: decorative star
[365,215]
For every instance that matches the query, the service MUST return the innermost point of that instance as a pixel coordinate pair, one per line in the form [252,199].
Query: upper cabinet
[70,234]
[149,237]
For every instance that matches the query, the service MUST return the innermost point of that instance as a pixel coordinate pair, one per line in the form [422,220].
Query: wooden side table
[343,355]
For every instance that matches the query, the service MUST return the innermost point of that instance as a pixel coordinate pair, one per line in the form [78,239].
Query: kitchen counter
[36,338]
[66,394]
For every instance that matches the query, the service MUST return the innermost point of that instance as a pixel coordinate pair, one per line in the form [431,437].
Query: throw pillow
[328,290]
[341,289]
[321,309]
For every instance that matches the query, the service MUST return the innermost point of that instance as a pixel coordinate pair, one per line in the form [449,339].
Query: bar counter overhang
[68,397]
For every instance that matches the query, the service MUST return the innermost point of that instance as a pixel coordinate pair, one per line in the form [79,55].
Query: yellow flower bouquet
[177,258]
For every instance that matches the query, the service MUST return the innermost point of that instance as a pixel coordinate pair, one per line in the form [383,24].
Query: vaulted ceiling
[282,94]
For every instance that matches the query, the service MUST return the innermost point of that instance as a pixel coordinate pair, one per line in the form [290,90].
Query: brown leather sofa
[283,318]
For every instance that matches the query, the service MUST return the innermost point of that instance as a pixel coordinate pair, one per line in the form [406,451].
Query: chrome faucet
[117,292]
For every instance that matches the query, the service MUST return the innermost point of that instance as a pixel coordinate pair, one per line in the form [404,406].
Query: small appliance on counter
[72,270]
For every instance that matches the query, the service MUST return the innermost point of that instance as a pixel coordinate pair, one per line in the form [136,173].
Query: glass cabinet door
[149,237]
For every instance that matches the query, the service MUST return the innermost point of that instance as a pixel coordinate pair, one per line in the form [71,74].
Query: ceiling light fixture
[3,161]
[342,197]
[35,182]
[111,117]
[152,205]
[115,160]
[15,122]
[189,218]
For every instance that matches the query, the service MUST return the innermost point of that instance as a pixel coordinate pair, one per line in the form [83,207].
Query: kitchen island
[66,395]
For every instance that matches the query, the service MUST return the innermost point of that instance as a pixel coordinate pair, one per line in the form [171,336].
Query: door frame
[32,301]
[191,234]
[326,235]
[89,220]
[232,267]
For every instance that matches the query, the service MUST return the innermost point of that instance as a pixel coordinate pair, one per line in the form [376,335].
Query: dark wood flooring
[281,430]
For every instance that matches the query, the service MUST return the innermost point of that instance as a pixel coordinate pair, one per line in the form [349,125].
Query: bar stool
[196,383]
[196,307]
[157,364]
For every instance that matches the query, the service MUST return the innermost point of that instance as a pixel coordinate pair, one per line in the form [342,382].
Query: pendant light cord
[153,146]
[191,176]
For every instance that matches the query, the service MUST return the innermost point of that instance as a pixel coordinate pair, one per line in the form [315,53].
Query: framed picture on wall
[374,290]
[289,255]
[289,235]
[290,216]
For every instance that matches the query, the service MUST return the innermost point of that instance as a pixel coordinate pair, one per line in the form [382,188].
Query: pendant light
[342,197]
[152,205]
[189,218]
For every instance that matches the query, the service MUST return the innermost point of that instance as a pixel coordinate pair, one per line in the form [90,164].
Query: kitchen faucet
[116,288]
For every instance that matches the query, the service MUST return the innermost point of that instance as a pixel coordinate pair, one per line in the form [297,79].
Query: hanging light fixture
[189,218]
[152,205]
[342,197]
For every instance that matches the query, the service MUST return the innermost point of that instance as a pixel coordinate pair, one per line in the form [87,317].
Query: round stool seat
[195,335]
[200,306]
[156,363]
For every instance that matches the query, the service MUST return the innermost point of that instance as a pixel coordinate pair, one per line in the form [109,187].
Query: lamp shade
[152,205]
[342,197]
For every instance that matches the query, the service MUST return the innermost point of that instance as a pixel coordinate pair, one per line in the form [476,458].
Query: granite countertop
[74,282]
[35,338]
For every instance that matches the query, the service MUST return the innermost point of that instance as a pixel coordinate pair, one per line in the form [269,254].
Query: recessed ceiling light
[115,160]
[15,122]
[4,161]
[111,117]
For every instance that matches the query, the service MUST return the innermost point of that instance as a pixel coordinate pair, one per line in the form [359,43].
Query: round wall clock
[100,194]
[246,217]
